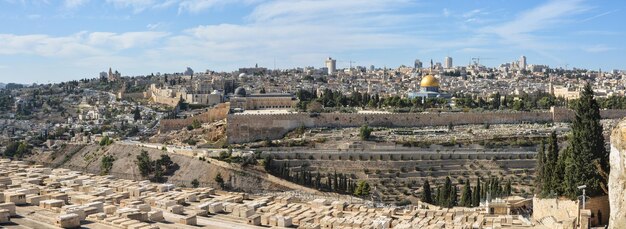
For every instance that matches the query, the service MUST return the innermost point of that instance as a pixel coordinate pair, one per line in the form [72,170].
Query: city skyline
[77,39]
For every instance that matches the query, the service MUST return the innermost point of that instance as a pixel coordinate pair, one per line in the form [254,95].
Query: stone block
[5,216]
[254,220]
[215,208]
[187,220]
[156,216]
[9,207]
[68,221]
[176,209]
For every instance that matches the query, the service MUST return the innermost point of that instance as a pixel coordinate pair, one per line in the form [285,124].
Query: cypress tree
[335,182]
[427,196]
[508,188]
[552,175]
[444,198]
[466,195]
[539,175]
[587,158]
[437,198]
[453,197]
[477,194]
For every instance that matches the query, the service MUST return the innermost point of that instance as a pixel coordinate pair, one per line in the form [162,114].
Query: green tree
[365,132]
[507,188]
[136,113]
[362,189]
[144,163]
[539,174]
[454,197]
[427,196]
[195,183]
[445,197]
[106,163]
[588,160]
[552,177]
[466,195]
[477,193]
[105,141]
[196,124]
[11,149]
[219,180]
[22,150]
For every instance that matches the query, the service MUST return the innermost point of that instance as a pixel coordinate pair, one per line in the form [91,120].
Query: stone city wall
[131,96]
[244,128]
[218,112]
[561,114]
[165,100]
[252,127]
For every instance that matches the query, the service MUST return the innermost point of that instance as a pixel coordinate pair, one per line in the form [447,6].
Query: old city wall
[252,127]
[561,114]
[219,112]
[165,100]
[244,128]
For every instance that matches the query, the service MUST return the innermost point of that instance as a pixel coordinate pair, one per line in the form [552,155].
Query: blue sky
[54,40]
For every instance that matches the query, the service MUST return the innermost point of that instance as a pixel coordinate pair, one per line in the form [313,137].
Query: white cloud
[75,45]
[305,32]
[155,26]
[446,12]
[521,31]
[73,4]
[195,6]
[472,13]
[137,5]
[599,15]
[597,48]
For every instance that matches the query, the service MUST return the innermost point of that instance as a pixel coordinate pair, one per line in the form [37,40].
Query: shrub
[195,183]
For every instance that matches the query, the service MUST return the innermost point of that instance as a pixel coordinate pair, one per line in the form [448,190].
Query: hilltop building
[241,100]
[429,88]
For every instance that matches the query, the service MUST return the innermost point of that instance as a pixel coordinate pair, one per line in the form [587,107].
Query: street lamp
[583,188]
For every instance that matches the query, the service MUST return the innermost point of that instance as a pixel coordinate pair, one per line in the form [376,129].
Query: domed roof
[429,81]
[240,91]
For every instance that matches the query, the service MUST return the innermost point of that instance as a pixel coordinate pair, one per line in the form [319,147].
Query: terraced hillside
[398,176]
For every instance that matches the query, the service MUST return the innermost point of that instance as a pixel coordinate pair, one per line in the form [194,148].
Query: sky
[43,41]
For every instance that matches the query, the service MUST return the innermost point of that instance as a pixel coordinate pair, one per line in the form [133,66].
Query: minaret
[550,87]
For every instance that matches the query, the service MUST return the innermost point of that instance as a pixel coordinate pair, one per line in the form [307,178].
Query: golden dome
[429,81]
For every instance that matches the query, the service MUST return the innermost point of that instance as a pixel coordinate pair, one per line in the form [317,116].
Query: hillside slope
[87,158]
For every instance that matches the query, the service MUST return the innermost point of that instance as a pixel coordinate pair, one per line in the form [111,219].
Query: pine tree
[466,195]
[587,158]
[427,196]
[539,174]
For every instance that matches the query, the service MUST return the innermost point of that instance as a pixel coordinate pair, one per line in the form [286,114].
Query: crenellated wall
[219,112]
[252,127]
